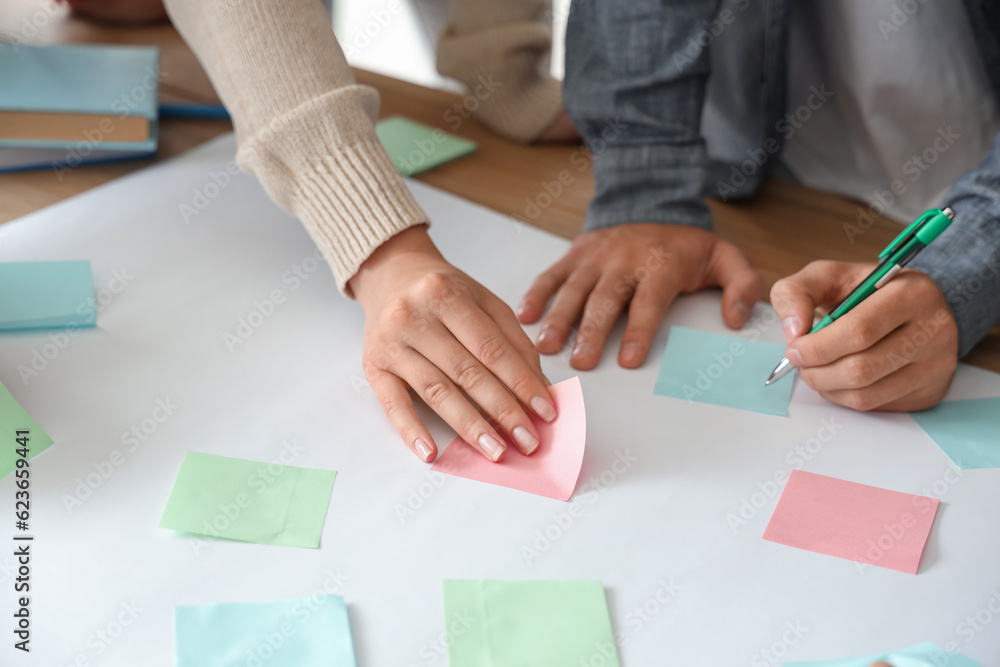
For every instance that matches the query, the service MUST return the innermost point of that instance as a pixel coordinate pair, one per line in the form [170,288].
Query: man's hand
[644,267]
[896,351]
[431,327]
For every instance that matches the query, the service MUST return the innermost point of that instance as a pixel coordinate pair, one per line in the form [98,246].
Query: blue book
[63,106]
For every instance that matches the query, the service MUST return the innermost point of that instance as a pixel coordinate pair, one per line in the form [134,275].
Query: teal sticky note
[414,147]
[921,655]
[19,434]
[313,631]
[967,431]
[555,623]
[46,295]
[723,370]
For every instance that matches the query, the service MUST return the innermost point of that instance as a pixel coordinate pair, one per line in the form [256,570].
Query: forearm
[306,129]
[494,49]
[635,88]
[965,260]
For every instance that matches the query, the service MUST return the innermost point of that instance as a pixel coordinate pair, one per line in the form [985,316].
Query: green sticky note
[301,632]
[723,370]
[46,295]
[415,148]
[13,418]
[921,655]
[556,623]
[266,503]
[965,430]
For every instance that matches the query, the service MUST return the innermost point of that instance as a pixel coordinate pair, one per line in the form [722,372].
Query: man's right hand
[431,327]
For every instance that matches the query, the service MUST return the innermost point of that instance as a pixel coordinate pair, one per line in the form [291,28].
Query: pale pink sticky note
[551,470]
[862,523]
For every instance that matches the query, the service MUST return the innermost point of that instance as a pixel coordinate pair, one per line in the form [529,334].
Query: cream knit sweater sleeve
[305,128]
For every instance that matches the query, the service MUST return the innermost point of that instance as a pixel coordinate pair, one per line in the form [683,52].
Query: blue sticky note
[46,295]
[723,370]
[921,655]
[965,430]
[301,632]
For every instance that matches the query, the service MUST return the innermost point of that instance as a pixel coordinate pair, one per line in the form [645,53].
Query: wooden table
[502,175]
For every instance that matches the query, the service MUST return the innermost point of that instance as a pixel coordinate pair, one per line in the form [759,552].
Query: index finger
[868,323]
[481,335]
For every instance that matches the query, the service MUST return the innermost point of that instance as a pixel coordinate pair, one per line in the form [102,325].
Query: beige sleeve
[305,128]
[495,46]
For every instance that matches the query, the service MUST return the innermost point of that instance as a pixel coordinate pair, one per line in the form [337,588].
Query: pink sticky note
[551,470]
[862,523]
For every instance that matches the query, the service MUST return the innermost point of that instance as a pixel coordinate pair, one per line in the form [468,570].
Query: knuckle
[859,372]
[509,414]
[392,408]
[436,393]
[861,332]
[399,312]
[470,375]
[863,401]
[490,348]
[522,386]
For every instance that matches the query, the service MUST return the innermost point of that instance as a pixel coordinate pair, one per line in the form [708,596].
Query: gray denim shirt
[636,78]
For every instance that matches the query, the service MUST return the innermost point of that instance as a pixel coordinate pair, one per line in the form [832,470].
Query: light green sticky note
[723,370]
[249,501]
[13,418]
[965,430]
[556,623]
[314,631]
[414,147]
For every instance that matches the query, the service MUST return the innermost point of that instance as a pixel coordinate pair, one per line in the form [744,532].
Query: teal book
[63,106]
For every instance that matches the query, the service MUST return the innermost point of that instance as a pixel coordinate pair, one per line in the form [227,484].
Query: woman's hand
[430,327]
[896,351]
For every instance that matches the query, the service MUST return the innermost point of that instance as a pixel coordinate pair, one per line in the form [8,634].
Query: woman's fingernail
[523,437]
[543,408]
[790,325]
[521,307]
[491,447]
[581,347]
[795,357]
[631,352]
[424,451]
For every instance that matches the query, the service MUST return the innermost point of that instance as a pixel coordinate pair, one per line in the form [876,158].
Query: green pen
[896,255]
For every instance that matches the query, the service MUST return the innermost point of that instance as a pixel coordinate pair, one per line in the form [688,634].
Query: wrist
[402,249]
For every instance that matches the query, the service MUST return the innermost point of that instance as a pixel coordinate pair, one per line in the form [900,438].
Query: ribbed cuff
[335,177]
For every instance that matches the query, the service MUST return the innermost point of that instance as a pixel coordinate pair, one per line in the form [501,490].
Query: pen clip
[908,233]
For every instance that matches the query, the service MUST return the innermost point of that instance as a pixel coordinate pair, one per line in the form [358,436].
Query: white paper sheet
[661,481]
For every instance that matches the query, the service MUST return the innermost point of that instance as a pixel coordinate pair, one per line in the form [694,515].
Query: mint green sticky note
[556,623]
[723,370]
[921,655]
[46,295]
[415,148]
[235,499]
[13,418]
[967,431]
[301,632]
